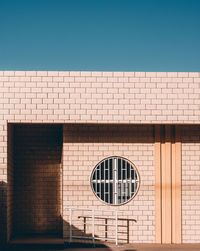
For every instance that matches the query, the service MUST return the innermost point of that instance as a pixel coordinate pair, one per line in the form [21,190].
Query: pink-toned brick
[20,73]
[4,79]
[108,98]
[75,73]
[112,79]
[64,73]
[52,73]
[183,74]
[134,80]
[161,74]
[46,79]
[80,79]
[172,74]
[86,74]
[8,73]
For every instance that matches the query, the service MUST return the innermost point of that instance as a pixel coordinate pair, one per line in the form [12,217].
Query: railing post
[116,228]
[70,225]
[127,230]
[84,222]
[93,226]
[106,229]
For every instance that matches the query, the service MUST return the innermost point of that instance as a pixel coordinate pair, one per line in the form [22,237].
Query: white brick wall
[191,185]
[79,159]
[96,97]
[128,97]
[108,98]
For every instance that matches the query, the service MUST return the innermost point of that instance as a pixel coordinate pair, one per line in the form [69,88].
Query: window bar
[130,181]
[96,181]
[100,182]
[134,179]
[104,164]
[115,182]
[109,181]
[121,187]
[108,178]
[126,184]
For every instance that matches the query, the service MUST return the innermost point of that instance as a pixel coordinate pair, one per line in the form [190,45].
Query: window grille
[115,180]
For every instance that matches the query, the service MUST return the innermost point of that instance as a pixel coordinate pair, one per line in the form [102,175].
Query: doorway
[36,180]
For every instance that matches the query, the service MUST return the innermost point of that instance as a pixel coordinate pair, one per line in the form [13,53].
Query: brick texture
[36,188]
[114,98]
[127,97]
[84,147]
[191,184]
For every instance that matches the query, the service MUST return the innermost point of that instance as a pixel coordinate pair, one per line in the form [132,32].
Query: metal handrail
[93,217]
[88,209]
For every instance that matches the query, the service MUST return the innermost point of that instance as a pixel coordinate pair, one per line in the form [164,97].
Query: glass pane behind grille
[115,180]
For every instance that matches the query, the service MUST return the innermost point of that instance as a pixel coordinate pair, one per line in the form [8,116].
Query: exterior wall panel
[191,184]
[112,98]
[85,146]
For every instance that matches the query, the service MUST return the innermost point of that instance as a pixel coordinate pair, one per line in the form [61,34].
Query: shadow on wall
[37,179]
[108,133]
[83,243]
[190,134]
[3,231]
[3,212]
[123,133]
[105,225]
[37,147]
[34,183]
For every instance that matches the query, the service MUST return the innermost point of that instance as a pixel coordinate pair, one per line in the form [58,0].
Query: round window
[115,180]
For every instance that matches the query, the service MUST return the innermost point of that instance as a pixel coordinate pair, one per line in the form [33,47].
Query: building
[57,126]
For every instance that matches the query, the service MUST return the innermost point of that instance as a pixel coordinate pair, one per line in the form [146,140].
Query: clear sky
[100,35]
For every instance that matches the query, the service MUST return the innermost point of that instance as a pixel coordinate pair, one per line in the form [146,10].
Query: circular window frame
[131,164]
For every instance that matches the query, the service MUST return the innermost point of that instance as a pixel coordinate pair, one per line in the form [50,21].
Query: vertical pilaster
[167,184]
[176,187]
[166,160]
[157,161]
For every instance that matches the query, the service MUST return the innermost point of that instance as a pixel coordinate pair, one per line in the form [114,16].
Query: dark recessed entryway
[35,180]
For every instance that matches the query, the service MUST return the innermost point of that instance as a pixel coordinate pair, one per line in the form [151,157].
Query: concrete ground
[107,247]
[146,247]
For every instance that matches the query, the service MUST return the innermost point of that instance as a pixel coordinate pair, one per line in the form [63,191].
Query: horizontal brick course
[106,88]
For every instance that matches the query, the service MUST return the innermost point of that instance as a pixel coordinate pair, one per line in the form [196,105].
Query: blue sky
[100,35]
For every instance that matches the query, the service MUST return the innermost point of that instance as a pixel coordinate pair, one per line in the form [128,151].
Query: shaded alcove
[34,180]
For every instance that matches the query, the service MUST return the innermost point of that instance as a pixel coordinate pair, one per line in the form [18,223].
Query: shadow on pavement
[51,247]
